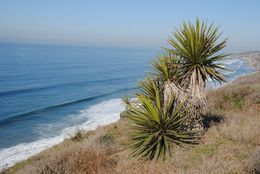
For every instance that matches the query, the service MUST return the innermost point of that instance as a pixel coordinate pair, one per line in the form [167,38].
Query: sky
[125,23]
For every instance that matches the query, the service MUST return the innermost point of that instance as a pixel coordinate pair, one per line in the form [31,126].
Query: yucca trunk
[194,97]
[197,86]
[197,100]
[173,90]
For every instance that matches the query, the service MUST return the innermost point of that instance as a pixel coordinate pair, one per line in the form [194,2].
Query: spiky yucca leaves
[156,128]
[163,67]
[147,87]
[197,45]
[165,70]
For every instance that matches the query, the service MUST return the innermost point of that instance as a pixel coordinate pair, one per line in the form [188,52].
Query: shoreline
[22,151]
[63,138]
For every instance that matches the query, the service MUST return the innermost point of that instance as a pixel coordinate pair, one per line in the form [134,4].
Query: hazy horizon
[124,24]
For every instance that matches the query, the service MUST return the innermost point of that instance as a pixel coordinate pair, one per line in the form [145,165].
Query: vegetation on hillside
[170,105]
[231,143]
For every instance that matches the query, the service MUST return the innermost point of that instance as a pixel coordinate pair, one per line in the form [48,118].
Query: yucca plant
[127,101]
[147,88]
[196,47]
[162,68]
[165,71]
[154,127]
[172,98]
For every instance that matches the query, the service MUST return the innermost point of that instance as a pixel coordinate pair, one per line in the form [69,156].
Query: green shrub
[239,102]
[77,137]
[232,99]
[107,139]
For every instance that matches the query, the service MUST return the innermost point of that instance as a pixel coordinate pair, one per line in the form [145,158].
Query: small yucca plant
[161,68]
[127,101]
[156,126]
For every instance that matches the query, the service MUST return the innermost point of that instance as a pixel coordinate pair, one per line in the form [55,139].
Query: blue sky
[125,23]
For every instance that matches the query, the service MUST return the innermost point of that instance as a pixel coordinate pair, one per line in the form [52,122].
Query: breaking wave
[100,114]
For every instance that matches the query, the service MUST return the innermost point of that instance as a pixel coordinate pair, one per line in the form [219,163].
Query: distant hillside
[253,58]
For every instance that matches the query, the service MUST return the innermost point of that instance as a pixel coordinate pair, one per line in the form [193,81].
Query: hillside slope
[231,143]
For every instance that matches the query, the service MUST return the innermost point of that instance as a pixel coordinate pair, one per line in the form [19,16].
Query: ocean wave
[230,61]
[24,115]
[53,86]
[100,114]
[25,90]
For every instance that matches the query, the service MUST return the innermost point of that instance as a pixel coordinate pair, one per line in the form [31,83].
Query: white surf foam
[231,61]
[100,114]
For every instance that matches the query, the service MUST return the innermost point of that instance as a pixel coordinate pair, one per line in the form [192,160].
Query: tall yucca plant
[197,46]
[156,128]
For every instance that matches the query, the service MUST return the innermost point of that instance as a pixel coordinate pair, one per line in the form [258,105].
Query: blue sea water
[49,92]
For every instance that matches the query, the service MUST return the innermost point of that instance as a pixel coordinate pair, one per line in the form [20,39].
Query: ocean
[50,92]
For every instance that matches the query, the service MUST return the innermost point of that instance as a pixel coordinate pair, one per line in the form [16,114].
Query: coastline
[228,145]
[15,154]
[250,60]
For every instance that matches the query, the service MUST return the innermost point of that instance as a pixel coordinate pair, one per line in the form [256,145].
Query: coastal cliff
[230,144]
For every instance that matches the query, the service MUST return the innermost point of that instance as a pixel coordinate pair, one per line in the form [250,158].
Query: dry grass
[231,143]
[78,159]
[253,165]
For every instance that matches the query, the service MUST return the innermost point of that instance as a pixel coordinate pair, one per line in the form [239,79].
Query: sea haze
[48,92]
